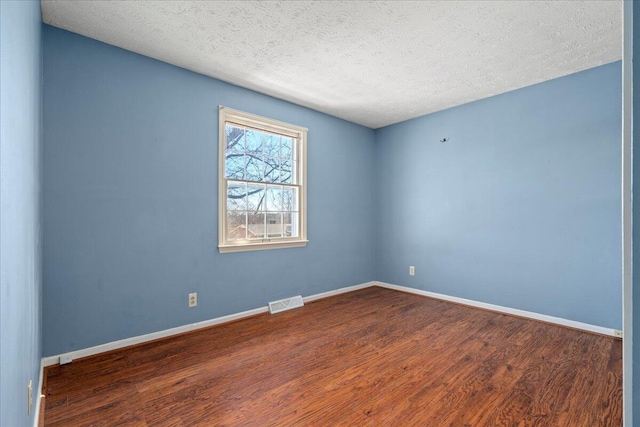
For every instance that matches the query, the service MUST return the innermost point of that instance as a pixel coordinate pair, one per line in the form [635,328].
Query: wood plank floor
[368,358]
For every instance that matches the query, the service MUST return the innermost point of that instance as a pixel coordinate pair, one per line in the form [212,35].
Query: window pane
[290,199]
[255,227]
[236,225]
[255,168]
[271,145]
[236,196]
[290,224]
[271,169]
[234,165]
[253,141]
[286,149]
[287,172]
[255,197]
[235,137]
[274,198]
[274,225]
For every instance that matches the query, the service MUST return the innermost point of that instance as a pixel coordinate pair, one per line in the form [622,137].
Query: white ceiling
[372,63]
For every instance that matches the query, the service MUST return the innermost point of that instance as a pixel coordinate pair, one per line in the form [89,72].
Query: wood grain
[368,358]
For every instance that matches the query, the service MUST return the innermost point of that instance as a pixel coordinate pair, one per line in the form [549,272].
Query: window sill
[261,246]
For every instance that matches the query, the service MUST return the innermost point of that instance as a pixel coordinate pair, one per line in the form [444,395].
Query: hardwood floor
[372,357]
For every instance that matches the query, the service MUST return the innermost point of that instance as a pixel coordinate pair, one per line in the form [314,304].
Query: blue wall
[130,199]
[520,208]
[20,272]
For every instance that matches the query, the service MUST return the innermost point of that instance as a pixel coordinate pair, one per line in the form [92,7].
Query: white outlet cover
[193,299]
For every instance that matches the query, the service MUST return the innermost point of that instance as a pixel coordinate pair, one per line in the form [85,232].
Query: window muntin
[262,183]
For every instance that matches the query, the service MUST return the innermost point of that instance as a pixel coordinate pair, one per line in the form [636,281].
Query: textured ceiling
[373,63]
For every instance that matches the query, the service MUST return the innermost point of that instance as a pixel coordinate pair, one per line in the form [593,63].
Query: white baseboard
[36,407]
[53,360]
[91,351]
[500,309]
[338,291]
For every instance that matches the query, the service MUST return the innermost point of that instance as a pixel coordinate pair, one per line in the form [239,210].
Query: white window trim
[226,114]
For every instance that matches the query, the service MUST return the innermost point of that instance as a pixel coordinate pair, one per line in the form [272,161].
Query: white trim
[501,309]
[627,212]
[259,246]
[36,409]
[91,351]
[338,291]
[51,360]
[226,114]
[261,122]
[114,345]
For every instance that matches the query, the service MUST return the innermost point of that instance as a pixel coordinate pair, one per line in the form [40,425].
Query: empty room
[318,213]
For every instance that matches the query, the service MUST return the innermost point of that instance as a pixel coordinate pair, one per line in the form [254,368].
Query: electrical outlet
[617,333]
[193,299]
[29,397]
[412,270]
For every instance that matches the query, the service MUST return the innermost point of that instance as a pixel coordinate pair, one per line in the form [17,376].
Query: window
[262,183]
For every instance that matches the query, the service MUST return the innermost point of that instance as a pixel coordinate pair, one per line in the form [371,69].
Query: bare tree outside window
[262,184]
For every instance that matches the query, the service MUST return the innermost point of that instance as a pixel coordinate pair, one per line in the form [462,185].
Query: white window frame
[241,118]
